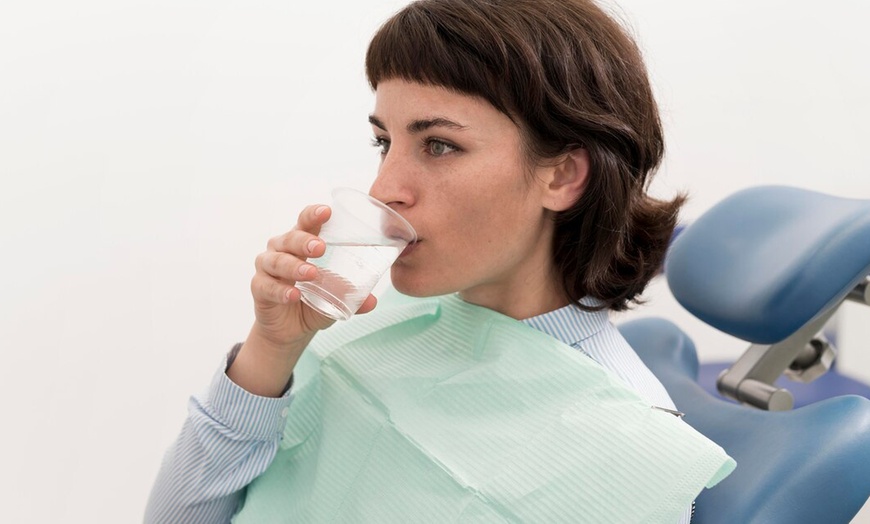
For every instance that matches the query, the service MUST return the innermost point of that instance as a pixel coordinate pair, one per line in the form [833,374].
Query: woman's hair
[569,76]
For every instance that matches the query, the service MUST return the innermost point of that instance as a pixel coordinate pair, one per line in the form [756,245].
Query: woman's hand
[284,325]
[281,315]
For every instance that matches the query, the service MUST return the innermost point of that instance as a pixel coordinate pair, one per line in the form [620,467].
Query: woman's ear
[567,180]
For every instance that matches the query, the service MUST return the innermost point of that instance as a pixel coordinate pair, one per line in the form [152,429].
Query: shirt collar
[570,324]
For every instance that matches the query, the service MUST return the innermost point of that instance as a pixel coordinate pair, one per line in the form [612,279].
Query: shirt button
[284,412]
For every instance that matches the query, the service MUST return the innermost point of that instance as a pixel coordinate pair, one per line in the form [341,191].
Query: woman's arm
[229,438]
[232,433]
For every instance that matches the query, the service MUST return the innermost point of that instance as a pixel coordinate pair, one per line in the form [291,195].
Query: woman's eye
[437,147]
[382,143]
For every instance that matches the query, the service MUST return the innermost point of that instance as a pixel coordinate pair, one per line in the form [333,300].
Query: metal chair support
[803,356]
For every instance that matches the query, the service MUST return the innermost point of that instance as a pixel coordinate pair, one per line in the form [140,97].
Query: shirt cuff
[260,418]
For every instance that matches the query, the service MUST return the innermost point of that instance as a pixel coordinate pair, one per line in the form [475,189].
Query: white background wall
[149,149]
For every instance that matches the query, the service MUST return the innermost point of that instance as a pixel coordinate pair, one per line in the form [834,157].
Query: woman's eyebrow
[418,126]
[373,120]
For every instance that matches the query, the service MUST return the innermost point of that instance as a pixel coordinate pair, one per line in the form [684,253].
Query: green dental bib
[440,411]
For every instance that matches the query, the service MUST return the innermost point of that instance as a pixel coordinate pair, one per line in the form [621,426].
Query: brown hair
[569,76]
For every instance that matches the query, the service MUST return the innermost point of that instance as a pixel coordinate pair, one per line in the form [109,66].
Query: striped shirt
[231,436]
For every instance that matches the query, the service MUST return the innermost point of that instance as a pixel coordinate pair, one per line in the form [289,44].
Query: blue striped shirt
[231,436]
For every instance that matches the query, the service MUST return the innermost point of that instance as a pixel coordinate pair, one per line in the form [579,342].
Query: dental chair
[770,265]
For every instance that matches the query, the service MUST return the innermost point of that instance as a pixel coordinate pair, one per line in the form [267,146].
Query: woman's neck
[523,296]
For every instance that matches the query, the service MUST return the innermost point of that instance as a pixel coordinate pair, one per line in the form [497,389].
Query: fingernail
[320,210]
[304,269]
[312,245]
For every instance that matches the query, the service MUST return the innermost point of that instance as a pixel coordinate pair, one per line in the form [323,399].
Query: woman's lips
[410,248]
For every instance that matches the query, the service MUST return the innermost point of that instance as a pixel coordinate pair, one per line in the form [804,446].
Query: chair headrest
[766,260]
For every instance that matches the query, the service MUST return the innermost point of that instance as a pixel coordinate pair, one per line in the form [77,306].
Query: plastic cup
[363,238]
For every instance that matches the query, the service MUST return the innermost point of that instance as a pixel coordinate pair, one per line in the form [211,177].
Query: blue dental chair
[770,265]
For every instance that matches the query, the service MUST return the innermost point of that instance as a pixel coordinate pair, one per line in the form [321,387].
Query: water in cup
[330,292]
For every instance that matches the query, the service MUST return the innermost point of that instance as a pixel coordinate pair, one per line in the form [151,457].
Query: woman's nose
[393,185]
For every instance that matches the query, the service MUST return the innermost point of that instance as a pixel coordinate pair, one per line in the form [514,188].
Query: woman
[518,138]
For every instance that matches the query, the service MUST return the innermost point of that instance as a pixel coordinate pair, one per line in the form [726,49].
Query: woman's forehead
[410,102]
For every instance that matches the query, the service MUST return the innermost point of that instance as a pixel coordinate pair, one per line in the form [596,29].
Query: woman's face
[453,166]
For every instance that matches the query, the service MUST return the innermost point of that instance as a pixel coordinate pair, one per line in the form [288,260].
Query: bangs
[445,46]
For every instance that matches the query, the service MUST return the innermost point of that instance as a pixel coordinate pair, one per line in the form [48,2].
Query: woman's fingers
[302,240]
[284,261]
[368,304]
[268,290]
[297,242]
[312,217]
[284,266]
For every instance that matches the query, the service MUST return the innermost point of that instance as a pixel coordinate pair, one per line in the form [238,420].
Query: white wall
[149,149]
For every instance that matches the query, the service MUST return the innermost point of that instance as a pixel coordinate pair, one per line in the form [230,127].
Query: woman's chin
[407,288]
[410,285]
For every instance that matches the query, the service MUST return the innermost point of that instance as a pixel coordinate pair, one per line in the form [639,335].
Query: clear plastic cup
[363,238]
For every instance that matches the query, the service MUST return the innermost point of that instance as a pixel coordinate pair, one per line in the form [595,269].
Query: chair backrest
[809,465]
